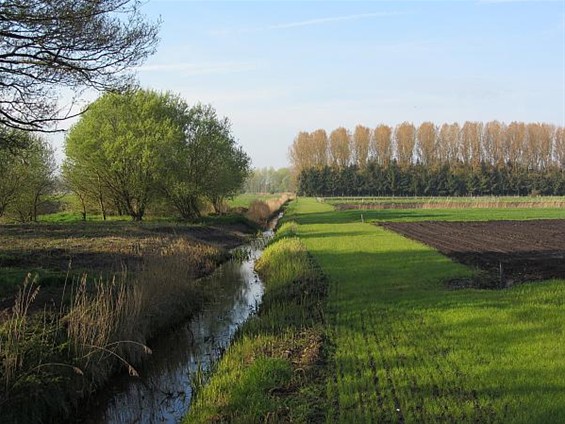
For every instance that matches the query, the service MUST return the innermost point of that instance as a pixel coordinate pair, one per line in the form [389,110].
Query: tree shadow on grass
[476,346]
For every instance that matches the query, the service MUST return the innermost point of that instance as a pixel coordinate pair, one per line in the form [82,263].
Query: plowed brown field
[510,251]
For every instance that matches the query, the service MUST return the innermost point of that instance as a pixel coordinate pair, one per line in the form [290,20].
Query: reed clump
[260,211]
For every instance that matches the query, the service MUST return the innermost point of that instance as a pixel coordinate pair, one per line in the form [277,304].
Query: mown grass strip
[274,370]
[409,350]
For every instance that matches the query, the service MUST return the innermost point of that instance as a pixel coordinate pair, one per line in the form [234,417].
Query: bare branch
[46,45]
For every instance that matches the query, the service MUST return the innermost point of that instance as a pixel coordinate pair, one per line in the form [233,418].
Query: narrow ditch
[164,390]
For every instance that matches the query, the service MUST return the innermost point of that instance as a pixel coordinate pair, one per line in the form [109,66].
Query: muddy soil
[508,252]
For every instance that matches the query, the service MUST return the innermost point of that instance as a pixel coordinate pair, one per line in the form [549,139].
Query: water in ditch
[163,391]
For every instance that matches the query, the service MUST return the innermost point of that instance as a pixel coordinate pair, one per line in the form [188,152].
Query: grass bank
[407,349]
[312,212]
[273,371]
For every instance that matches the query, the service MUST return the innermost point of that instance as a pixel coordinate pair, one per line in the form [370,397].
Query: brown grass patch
[453,204]
[260,211]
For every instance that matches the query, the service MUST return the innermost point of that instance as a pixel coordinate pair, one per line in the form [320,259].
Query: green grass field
[407,349]
[317,213]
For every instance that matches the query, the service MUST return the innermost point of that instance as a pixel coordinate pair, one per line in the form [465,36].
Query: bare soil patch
[508,251]
[101,247]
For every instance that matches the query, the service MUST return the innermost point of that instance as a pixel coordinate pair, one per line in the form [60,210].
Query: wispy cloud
[308,22]
[191,69]
[505,1]
[320,21]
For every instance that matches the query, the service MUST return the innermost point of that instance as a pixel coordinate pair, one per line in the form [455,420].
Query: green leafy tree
[270,180]
[34,167]
[126,143]
[208,164]
[11,180]
[232,167]
[86,183]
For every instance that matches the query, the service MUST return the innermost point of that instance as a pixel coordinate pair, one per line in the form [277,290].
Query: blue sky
[275,68]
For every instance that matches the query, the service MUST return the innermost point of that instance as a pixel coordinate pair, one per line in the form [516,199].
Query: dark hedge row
[418,180]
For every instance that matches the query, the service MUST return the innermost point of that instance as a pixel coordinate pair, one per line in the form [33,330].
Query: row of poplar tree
[452,160]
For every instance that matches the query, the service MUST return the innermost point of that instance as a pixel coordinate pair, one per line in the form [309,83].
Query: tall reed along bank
[275,371]
[262,211]
[64,335]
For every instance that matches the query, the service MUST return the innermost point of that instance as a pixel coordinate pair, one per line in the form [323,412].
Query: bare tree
[540,137]
[405,136]
[471,143]
[559,147]
[381,144]
[448,143]
[299,152]
[427,143]
[361,139]
[340,147]
[546,133]
[516,136]
[319,141]
[46,45]
[493,142]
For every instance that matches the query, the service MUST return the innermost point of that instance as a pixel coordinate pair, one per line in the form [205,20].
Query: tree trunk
[83,203]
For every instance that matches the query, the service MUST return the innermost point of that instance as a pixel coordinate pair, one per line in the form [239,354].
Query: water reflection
[163,392]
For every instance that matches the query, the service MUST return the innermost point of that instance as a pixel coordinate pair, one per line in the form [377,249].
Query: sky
[275,68]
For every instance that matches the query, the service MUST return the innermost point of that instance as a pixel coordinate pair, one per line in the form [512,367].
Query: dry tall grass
[454,204]
[12,349]
[260,211]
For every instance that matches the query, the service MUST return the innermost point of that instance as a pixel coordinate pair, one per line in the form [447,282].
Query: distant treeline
[269,180]
[452,160]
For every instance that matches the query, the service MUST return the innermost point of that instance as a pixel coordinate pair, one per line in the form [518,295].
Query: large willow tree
[209,164]
[130,149]
[122,146]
